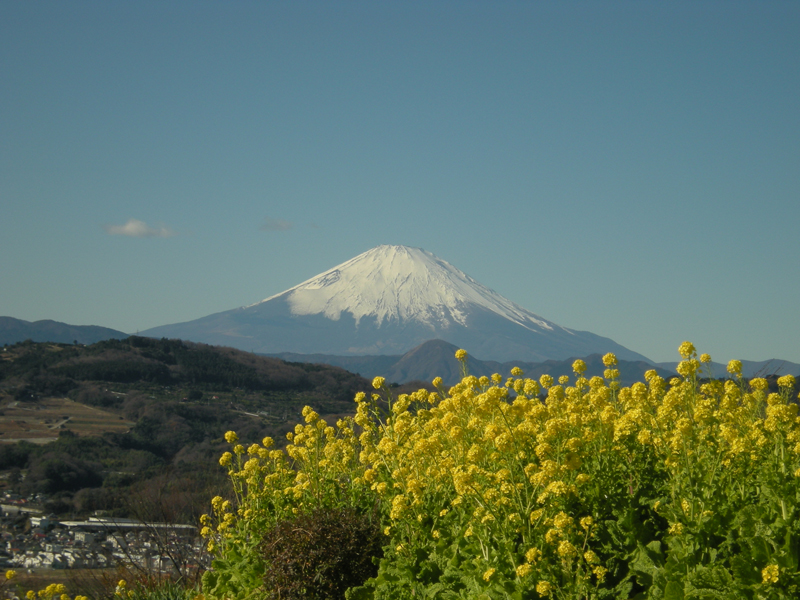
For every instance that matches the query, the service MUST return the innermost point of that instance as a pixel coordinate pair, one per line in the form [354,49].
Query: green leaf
[673,591]
[359,593]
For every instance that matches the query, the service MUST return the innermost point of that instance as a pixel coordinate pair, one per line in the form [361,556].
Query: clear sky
[626,168]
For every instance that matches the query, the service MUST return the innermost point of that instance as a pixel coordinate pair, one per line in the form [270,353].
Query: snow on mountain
[401,283]
[389,300]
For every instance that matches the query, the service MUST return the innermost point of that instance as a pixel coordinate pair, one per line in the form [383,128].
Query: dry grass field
[41,422]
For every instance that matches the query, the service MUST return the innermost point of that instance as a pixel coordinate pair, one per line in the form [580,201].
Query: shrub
[321,554]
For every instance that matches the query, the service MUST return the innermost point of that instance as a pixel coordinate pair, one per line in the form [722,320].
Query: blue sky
[626,168]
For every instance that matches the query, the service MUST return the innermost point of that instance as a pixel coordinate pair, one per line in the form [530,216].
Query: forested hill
[92,426]
[45,369]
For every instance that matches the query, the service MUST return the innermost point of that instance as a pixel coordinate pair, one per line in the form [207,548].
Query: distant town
[34,540]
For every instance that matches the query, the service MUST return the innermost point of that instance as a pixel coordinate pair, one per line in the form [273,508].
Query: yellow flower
[562,521]
[231,437]
[566,549]
[516,372]
[587,522]
[705,358]
[533,555]
[609,360]
[543,588]
[579,366]
[600,573]
[487,575]
[735,367]
[546,381]
[378,382]
[590,557]
[30,595]
[686,350]
[10,574]
[225,459]
[563,380]
[267,442]
[786,381]
[238,449]
[461,354]
[524,570]
[770,574]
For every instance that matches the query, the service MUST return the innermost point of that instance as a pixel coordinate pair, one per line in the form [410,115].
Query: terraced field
[41,422]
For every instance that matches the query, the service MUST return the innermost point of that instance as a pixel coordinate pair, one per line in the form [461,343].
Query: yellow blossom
[231,437]
[566,549]
[686,350]
[378,382]
[543,588]
[609,360]
[524,570]
[487,575]
[461,354]
[770,574]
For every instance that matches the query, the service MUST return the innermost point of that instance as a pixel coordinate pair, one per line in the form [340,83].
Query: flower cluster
[534,487]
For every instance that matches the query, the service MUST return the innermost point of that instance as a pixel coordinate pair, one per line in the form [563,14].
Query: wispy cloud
[137,228]
[276,225]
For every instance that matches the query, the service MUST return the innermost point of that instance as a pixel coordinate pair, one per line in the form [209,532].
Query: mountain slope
[16,330]
[386,301]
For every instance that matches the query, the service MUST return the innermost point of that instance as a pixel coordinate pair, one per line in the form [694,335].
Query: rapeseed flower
[770,574]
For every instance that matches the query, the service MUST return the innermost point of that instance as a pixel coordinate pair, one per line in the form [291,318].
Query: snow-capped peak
[399,283]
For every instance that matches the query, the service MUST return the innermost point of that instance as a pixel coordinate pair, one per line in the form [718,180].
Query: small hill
[436,358]
[16,330]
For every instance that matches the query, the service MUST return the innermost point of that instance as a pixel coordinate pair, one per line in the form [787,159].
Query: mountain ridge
[17,330]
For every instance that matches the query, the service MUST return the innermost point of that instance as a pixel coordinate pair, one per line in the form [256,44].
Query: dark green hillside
[177,399]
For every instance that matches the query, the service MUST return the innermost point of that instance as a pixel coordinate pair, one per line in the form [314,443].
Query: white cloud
[276,225]
[137,228]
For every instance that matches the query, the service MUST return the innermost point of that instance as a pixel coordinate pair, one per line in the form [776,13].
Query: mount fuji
[386,301]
